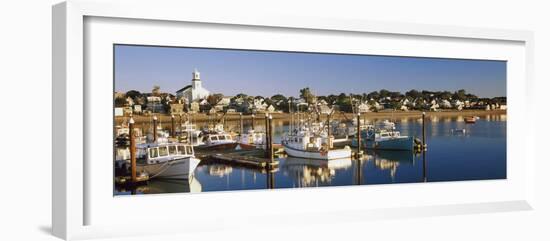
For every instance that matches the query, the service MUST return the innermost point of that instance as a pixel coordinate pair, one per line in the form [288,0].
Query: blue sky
[267,73]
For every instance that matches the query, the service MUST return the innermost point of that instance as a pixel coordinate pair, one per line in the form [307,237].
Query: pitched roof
[184,88]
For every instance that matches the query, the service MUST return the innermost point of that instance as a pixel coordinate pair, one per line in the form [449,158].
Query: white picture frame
[74,198]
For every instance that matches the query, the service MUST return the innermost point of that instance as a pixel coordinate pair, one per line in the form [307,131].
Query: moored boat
[166,160]
[252,140]
[470,119]
[386,138]
[189,134]
[305,144]
[218,141]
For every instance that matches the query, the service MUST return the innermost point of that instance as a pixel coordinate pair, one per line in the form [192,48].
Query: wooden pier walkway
[248,158]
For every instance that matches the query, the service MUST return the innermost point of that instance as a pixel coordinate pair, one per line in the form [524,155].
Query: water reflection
[311,172]
[391,160]
[477,153]
[164,186]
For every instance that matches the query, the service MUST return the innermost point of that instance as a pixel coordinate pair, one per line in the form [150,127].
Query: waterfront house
[154,104]
[270,109]
[137,109]
[324,109]
[194,107]
[445,104]
[176,109]
[119,111]
[363,108]
[195,91]
[434,106]
[127,110]
[129,101]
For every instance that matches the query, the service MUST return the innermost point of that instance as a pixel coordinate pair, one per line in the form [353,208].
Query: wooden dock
[248,158]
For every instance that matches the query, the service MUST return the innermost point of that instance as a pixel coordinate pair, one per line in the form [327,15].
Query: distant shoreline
[201,117]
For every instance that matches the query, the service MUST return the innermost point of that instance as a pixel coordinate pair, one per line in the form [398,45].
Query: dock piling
[358,134]
[424,145]
[253,120]
[154,128]
[270,139]
[173,127]
[132,150]
[267,137]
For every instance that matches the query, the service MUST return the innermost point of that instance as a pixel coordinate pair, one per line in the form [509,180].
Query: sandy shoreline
[201,117]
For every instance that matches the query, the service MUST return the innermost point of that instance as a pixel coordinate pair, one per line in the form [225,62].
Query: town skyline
[267,73]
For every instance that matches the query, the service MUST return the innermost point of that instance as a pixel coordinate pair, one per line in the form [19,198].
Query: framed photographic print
[280,118]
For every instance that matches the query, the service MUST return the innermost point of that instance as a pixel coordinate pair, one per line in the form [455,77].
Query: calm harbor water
[478,154]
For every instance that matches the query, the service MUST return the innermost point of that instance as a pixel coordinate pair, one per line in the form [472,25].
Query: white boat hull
[328,155]
[176,169]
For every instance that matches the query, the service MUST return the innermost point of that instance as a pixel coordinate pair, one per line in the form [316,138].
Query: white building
[194,91]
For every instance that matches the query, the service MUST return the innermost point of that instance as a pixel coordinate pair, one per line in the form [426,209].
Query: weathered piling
[267,137]
[270,138]
[132,150]
[173,127]
[424,174]
[424,145]
[154,128]
[358,134]
[359,171]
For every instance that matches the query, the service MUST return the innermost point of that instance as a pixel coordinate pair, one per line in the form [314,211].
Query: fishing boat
[456,131]
[166,160]
[386,138]
[218,141]
[304,143]
[470,119]
[162,136]
[252,139]
[189,134]
[122,135]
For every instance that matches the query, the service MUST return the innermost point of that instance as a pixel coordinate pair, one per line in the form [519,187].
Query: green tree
[156,90]
[306,94]
[214,99]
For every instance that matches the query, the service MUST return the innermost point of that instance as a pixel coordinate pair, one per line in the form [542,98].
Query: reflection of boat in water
[458,131]
[166,160]
[171,186]
[219,170]
[312,172]
[397,156]
[332,164]
[252,139]
[391,160]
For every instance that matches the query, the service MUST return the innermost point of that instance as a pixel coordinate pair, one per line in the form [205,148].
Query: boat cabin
[218,138]
[152,154]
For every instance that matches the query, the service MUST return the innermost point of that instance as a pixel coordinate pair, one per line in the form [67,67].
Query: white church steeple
[196,79]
